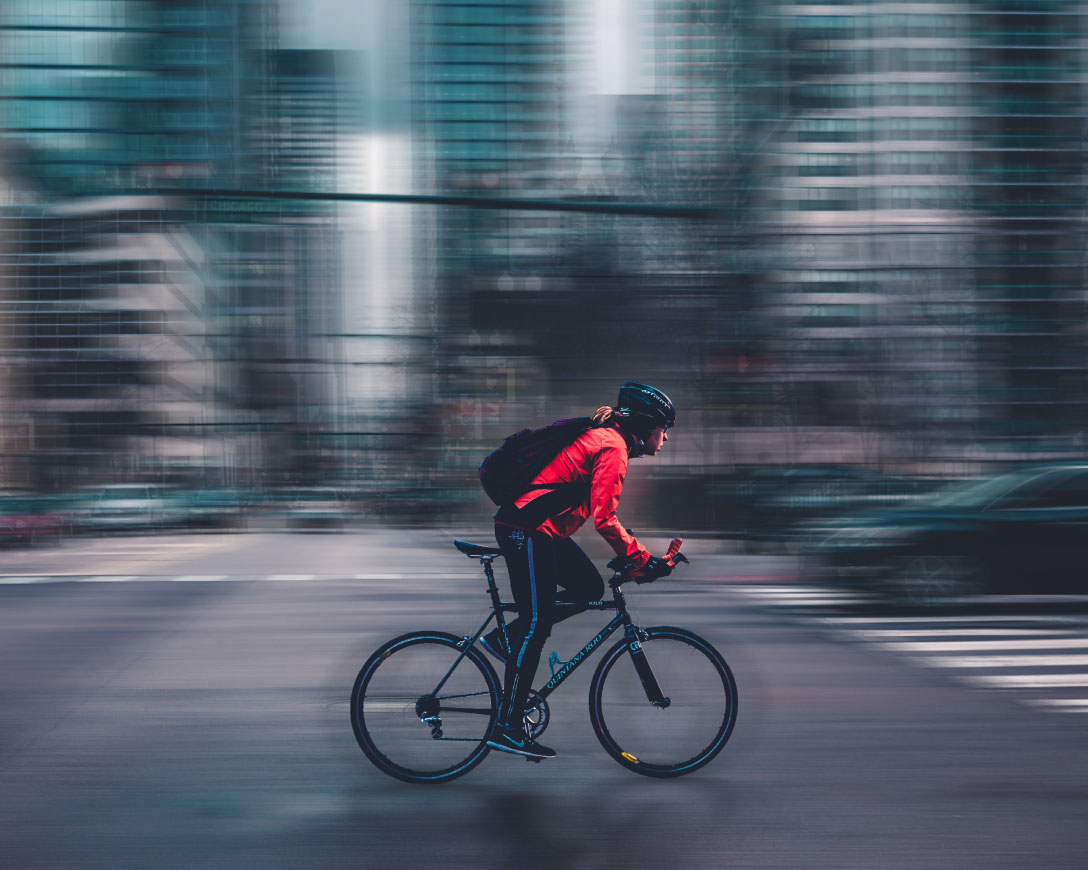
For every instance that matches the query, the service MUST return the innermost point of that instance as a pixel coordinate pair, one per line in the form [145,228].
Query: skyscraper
[106,297]
[920,280]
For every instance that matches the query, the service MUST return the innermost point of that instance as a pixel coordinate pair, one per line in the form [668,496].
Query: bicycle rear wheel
[410,723]
[679,735]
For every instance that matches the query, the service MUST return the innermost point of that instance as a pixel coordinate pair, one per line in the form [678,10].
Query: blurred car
[124,507]
[1024,532]
[318,507]
[29,519]
[215,508]
[778,505]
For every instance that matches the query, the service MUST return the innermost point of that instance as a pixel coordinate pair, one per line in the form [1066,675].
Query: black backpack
[507,472]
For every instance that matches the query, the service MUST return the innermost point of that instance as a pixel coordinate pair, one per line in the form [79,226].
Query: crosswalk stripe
[1019,652]
[1030,681]
[1027,660]
[940,620]
[877,634]
[1070,705]
[1011,644]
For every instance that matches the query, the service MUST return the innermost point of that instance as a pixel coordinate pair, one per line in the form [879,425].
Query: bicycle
[424,704]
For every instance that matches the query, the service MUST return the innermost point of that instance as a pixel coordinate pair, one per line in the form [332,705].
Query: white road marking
[1030,681]
[1012,645]
[938,620]
[147,556]
[105,577]
[1025,661]
[877,634]
[799,594]
[1068,705]
[1018,643]
[199,578]
[387,706]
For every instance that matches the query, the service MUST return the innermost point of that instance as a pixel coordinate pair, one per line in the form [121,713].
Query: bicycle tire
[664,741]
[394,692]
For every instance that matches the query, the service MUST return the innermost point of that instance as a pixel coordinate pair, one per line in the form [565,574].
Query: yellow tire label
[629,757]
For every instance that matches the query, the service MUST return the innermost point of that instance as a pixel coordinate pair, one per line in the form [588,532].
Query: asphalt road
[182,702]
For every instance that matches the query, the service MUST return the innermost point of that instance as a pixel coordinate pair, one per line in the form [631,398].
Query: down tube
[580,657]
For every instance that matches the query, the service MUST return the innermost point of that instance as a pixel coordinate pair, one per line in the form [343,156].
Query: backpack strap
[562,497]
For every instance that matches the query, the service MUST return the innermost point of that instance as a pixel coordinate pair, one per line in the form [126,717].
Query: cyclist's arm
[609,470]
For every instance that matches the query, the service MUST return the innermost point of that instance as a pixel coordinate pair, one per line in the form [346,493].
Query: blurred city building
[489,121]
[106,307]
[168,335]
[279,261]
[892,280]
[927,303]
[846,238]
[545,312]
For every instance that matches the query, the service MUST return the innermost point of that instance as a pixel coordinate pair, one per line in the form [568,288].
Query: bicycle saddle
[476,550]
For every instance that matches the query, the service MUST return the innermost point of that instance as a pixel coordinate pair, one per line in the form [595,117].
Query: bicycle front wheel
[420,711]
[680,732]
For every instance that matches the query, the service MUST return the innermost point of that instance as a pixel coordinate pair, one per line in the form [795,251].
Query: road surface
[182,702]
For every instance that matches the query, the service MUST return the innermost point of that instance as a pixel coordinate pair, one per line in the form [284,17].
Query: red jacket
[599,456]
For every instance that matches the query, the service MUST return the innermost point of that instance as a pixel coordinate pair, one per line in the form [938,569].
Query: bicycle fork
[642,667]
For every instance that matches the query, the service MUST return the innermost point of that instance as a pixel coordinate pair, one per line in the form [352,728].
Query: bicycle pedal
[534,760]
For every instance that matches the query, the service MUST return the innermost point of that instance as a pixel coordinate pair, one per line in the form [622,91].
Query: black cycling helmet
[645,405]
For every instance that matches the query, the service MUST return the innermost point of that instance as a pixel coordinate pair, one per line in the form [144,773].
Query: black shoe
[494,643]
[517,742]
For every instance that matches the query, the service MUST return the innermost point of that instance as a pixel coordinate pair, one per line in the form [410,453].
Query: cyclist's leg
[579,577]
[531,561]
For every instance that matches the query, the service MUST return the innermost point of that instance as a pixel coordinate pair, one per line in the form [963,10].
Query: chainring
[537,715]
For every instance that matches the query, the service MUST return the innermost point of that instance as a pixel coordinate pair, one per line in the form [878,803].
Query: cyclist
[534,535]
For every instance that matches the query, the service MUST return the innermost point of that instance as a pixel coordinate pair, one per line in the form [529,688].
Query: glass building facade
[839,234]
[924,193]
[158,333]
[106,302]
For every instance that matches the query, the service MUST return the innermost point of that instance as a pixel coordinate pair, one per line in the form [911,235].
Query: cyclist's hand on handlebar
[655,567]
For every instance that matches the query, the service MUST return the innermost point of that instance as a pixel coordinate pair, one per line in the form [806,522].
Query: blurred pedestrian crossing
[1040,657]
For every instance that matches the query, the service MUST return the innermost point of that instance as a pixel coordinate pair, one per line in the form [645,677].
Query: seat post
[492,589]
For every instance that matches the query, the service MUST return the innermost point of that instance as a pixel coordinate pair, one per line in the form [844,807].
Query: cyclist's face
[657,437]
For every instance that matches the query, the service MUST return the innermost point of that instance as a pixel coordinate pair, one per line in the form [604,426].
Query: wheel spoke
[659,740]
[407,731]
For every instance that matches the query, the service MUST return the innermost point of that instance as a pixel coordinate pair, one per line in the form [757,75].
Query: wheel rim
[676,739]
[409,730]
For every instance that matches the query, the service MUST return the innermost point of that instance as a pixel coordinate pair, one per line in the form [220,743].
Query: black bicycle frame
[571,665]
[634,647]
[622,618]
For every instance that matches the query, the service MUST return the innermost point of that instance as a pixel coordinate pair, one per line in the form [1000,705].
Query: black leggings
[538,566]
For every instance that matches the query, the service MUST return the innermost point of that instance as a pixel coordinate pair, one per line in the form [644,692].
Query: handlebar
[625,569]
